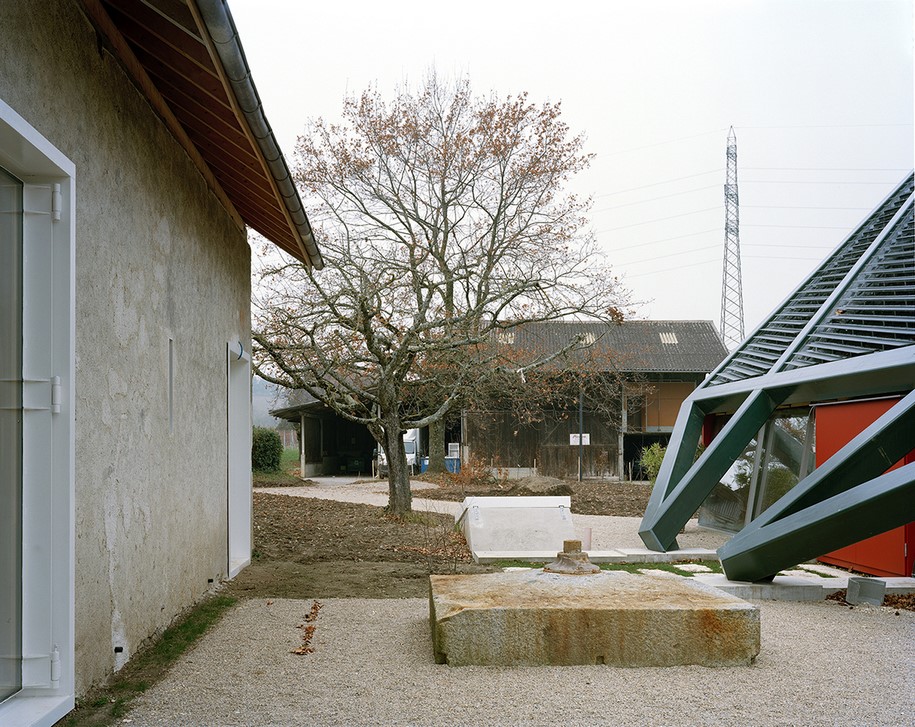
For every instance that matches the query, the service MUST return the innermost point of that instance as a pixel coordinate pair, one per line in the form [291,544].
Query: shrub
[651,459]
[474,473]
[266,450]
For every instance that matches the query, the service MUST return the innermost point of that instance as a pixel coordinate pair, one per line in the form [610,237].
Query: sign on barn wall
[585,439]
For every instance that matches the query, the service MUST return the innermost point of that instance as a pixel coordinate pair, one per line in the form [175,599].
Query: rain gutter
[224,36]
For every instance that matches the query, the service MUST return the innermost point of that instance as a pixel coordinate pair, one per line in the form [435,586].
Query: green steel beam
[872,452]
[871,374]
[680,452]
[664,517]
[871,508]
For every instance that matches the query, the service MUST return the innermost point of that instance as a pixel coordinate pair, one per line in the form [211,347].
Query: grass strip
[106,706]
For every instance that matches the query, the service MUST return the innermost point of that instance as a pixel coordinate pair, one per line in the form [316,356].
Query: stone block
[622,619]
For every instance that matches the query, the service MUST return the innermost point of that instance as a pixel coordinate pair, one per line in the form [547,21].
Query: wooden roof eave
[199,41]
[122,51]
[221,37]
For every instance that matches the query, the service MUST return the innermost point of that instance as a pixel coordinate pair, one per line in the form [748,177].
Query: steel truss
[848,498]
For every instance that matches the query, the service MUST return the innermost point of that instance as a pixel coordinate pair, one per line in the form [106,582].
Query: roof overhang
[293,413]
[185,57]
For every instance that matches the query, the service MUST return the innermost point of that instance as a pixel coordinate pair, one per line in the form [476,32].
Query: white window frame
[49,425]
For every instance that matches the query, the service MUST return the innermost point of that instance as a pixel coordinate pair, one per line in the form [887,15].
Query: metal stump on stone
[571,561]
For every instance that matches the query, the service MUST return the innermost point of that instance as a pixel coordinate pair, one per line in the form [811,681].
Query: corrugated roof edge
[223,33]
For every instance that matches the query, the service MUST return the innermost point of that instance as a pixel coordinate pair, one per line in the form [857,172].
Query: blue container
[452,464]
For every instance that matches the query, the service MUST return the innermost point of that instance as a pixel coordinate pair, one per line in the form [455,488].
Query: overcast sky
[820,93]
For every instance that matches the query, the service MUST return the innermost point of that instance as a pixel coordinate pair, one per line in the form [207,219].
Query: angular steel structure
[846,332]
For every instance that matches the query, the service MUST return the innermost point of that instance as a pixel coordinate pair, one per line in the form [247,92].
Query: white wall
[157,258]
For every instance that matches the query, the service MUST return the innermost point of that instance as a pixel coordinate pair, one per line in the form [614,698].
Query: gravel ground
[820,664]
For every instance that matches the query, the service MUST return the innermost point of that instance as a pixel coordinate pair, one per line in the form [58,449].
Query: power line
[803,227]
[658,219]
[663,196]
[672,254]
[778,257]
[828,126]
[792,207]
[765,244]
[694,250]
[678,267]
[826,169]
[665,239]
[657,184]
[662,143]
[801,181]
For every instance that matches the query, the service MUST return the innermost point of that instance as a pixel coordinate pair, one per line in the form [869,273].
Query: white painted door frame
[48,417]
[238,434]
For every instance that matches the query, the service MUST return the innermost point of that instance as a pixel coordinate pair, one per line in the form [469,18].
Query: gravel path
[820,664]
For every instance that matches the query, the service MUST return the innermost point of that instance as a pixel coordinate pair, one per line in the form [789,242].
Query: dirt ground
[588,498]
[309,548]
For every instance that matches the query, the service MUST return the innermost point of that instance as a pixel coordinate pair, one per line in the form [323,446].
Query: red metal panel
[888,554]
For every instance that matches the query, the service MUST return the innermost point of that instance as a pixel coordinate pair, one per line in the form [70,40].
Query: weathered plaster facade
[157,260]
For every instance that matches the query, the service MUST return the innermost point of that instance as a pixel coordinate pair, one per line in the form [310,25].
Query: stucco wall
[157,257]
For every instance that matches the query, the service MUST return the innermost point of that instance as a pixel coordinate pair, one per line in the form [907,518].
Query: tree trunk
[437,447]
[399,496]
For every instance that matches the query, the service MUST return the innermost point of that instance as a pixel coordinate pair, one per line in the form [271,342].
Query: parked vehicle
[411,447]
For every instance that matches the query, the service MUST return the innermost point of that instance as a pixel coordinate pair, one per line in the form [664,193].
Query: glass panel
[771,464]
[10,435]
[726,507]
[788,448]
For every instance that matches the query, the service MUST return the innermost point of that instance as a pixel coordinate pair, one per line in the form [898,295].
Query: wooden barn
[620,394]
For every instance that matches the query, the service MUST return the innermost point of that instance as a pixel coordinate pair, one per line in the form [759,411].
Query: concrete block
[517,524]
[644,555]
[781,588]
[622,619]
[899,585]
[865,590]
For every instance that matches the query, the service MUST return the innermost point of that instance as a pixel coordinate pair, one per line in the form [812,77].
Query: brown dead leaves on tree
[445,221]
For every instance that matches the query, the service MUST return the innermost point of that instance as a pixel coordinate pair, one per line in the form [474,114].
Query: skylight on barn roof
[668,337]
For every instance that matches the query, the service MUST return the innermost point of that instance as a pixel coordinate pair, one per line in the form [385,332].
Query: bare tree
[444,224]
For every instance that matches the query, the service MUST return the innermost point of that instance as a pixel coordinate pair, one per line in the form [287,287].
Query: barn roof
[186,58]
[633,346]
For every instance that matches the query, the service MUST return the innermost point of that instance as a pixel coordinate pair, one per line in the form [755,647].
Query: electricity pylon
[732,332]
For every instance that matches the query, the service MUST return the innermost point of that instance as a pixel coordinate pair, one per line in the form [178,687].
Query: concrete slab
[899,585]
[644,555]
[621,555]
[534,618]
[694,568]
[781,588]
[517,524]
[796,588]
